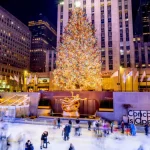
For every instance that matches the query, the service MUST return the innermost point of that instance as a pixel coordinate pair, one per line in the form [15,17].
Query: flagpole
[125,85]
[118,80]
[146,81]
[132,80]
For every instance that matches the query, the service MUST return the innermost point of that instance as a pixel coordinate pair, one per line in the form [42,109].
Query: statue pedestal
[70,114]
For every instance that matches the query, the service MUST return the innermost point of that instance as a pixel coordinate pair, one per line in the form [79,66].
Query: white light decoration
[77,3]
[61,3]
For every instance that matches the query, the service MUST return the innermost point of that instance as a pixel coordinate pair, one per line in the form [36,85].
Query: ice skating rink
[87,141]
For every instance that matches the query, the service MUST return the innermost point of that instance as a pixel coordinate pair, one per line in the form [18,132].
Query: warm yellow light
[61,3]
[25,71]
[77,3]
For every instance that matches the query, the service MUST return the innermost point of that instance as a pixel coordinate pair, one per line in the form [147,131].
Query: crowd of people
[100,127]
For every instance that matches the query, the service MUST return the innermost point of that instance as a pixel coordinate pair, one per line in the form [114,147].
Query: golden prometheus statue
[70,105]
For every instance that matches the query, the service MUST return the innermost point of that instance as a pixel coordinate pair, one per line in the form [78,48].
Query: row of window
[7,22]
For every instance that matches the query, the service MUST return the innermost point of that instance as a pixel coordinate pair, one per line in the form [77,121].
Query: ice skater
[66,132]
[133,129]
[29,146]
[146,129]
[122,127]
[112,126]
[71,147]
[44,140]
[58,123]
[89,125]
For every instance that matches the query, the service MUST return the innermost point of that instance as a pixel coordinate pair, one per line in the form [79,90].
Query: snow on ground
[87,141]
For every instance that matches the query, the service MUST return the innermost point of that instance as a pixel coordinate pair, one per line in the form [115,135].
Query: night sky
[24,10]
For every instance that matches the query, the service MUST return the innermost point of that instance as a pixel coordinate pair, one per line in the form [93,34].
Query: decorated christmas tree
[78,58]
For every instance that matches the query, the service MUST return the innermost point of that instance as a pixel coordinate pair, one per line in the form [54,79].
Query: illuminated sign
[43,80]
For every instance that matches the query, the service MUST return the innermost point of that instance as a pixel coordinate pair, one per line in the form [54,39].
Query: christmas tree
[78,58]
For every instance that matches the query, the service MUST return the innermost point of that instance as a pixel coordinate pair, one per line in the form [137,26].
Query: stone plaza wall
[138,101]
[87,107]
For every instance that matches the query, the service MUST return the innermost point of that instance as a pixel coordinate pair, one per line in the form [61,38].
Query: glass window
[92,9]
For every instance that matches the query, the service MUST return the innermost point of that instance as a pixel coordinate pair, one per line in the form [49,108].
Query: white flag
[148,79]
[29,79]
[124,77]
[143,75]
[21,81]
[11,78]
[16,78]
[35,80]
[136,75]
[130,74]
[115,74]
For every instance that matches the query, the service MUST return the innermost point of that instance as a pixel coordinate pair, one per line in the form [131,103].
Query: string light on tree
[78,57]
[78,3]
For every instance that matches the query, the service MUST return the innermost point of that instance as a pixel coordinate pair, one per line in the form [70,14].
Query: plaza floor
[87,141]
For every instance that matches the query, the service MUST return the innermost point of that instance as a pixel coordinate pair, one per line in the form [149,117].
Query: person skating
[44,139]
[97,127]
[29,146]
[77,121]
[66,132]
[133,129]
[89,125]
[71,147]
[112,126]
[58,123]
[122,127]
[54,123]
[70,123]
[146,128]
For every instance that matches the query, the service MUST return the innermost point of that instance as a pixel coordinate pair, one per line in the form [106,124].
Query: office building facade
[43,44]
[15,45]
[112,20]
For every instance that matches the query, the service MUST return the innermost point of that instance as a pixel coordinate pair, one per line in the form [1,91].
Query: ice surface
[87,141]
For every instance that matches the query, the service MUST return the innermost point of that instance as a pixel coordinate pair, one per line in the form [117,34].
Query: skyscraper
[142,23]
[15,45]
[43,40]
[112,20]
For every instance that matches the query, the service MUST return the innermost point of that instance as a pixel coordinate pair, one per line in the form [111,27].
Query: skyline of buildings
[112,19]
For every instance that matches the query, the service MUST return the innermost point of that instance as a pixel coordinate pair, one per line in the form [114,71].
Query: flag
[124,77]
[1,77]
[115,74]
[16,78]
[143,75]
[21,81]
[29,79]
[11,78]
[130,74]
[35,80]
[136,75]
[148,79]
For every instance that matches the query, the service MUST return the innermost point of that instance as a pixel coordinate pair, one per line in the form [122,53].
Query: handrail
[22,96]
[28,98]
[7,99]
[17,100]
